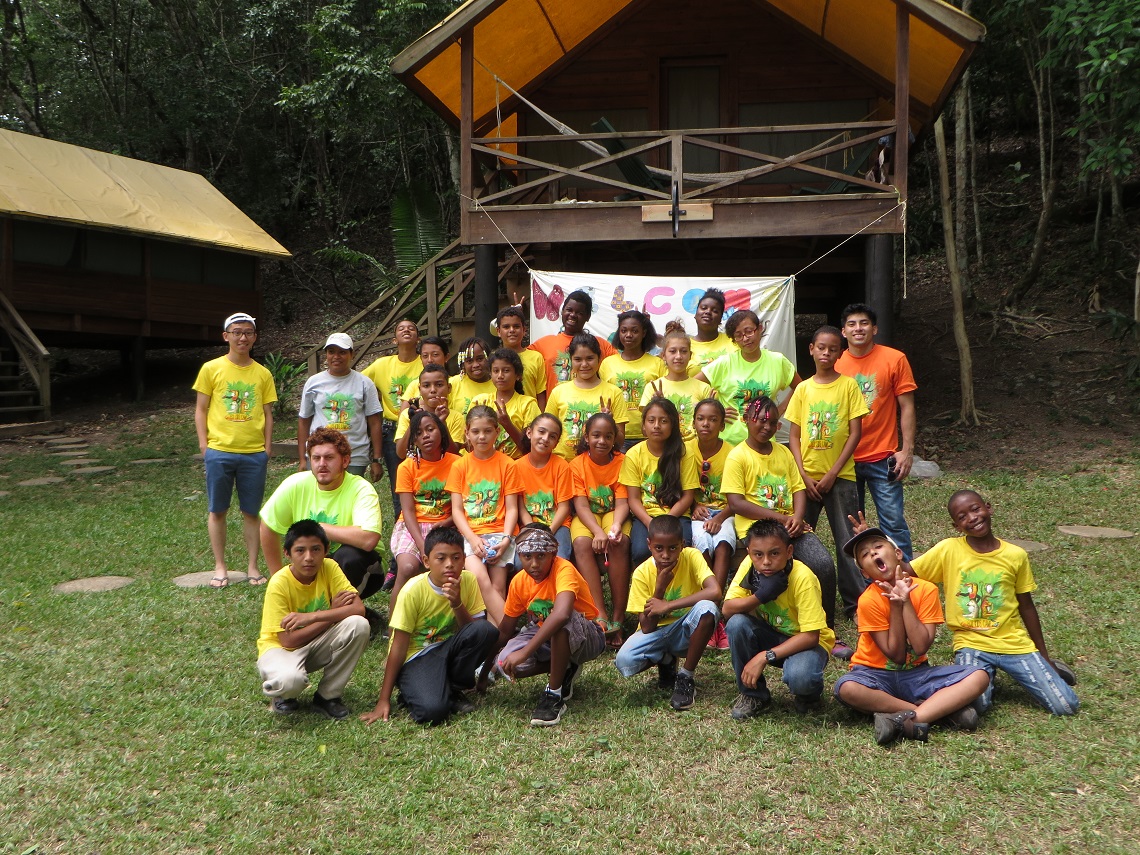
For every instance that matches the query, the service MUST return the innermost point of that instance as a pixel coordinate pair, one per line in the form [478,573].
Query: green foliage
[418,231]
[286,377]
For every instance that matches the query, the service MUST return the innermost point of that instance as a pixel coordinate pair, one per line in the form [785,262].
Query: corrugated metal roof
[48,180]
[519,40]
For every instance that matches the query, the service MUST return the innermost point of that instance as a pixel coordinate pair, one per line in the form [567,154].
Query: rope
[852,237]
[479,207]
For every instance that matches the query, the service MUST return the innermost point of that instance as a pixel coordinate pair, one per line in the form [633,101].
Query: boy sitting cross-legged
[989,607]
[312,619]
[890,676]
[674,596]
[438,636]
[775,617]
[560,634]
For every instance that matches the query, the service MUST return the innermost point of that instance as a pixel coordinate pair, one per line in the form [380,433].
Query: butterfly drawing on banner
[548,306]
[619,303]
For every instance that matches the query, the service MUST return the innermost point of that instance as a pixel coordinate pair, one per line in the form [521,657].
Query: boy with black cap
[890,676]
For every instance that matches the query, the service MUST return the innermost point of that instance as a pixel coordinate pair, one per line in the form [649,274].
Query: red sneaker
[720,636]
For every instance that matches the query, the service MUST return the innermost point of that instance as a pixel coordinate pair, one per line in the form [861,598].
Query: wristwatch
[771,657]
[375,460]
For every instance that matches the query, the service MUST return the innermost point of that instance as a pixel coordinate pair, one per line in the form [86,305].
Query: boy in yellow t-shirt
[825,414]
[233,418]
[674,596]
[312,619]
[988,587]
[438,637]
[393,376]
[511,323]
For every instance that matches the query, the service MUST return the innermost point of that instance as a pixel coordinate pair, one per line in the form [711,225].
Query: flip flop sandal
[219,582]
[257,581]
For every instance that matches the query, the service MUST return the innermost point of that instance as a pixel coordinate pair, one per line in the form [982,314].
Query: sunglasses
[705,467]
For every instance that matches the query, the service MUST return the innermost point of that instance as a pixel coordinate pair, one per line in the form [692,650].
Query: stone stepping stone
[41,482]
[202,580]
[79,461]
[145,460]
[65,440]
[68,453]
[1029,545]
[93,584]
[92,470]
[4,493]
[1094,531]
[81,446]
[198,457]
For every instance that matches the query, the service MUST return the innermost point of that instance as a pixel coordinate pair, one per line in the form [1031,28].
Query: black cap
[849,546]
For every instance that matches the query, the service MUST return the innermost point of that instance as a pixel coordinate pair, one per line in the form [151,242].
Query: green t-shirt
[299,497]
[739,382]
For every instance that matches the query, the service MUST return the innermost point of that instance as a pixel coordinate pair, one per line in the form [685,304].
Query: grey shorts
[587,641]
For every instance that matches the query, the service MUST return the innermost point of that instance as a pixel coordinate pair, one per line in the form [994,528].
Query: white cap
[339,339]
[239,317]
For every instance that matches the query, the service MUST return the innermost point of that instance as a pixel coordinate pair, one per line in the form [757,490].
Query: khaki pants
[285,673]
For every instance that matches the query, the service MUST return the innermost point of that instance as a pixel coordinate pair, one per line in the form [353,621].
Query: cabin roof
[47,180]
[522,41]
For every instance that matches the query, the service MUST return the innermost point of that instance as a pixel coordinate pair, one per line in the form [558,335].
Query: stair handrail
[30,350]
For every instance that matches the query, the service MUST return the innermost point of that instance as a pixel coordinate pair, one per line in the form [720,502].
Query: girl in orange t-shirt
[601,524]
[425,503]
[547,485]
[484,505]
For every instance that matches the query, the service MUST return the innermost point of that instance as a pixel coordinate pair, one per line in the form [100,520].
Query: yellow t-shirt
[393,379]
[456,426]
[424,612]
[710,491]
[573,407]
[981,591]
[632,377]
[285,595]
[685,395]
[463,392]
[798,609]
[521,410]
[704,352]
[767,480]
[688,578]
[235,421]
[534,372]
[639,469]
[823,412]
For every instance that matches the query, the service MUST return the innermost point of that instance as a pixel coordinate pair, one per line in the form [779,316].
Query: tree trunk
[969,411]
[1136,296]
[1014,295]
[974,183]
[961,174]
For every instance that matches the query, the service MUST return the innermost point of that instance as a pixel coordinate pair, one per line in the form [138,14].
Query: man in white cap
[234,421]
[345,400]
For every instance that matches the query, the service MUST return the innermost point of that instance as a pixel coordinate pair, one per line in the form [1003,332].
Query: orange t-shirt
[484,486]
[557,359]
[882,375]
[599,484]
[537,598]
[874,615]
[427,482]
[546,488]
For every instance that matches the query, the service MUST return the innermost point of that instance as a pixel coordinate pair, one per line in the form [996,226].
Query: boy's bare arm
[750,675]
[919,635]
[1032,622]
[302,627]
[794,447]
[508,628]
[855,433]
[270,548]
[560,614]
[397,652]
[201,414]
[904,458]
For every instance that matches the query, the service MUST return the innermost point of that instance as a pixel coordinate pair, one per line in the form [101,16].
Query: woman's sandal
[219,582]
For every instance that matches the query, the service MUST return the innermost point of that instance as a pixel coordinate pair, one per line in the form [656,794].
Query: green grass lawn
[132,721]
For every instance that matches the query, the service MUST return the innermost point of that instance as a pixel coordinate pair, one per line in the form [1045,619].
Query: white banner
[665,298]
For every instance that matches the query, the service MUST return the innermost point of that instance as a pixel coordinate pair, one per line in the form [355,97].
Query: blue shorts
[224,469]
[914,685]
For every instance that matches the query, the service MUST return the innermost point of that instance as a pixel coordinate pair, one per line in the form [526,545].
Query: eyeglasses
[243,333]
[705,467]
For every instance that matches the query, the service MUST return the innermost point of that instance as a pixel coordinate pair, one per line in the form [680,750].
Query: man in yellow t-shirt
[674,595]
[233,417]
[312,619]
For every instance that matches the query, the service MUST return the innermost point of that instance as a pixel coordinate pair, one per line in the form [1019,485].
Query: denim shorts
[913,685]
[224,469]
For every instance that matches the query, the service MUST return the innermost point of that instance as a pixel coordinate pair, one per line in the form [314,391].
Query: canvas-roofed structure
[103,251]
[656,136]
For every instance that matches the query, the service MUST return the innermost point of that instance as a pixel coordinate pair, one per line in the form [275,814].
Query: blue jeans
[224,469]
[1031,670]
[803,671]
[645,649]
[565,544]
[888,499]
[639,540]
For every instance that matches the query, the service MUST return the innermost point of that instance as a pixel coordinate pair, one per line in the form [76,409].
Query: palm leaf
[418,231]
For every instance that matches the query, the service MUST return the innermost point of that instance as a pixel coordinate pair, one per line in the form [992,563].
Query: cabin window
[853,161]
[693,100]
[176,262]
[112,253]
[41,243]
[229,270]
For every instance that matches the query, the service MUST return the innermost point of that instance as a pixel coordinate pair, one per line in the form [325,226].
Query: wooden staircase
[22,356]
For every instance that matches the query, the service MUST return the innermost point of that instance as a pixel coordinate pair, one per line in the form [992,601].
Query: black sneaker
[804,703]
[375,622]
[964,719]
[549,710]
[666,674]
[568,681]
[285,706]
[684,692]
[459,703]
[747,706]
[890,726]
[334,708]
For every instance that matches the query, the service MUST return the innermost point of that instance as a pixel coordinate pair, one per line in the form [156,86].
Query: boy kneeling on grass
[312,619]
[674,595]
[775,617]
[890,677]
[438,637]
[560,634]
